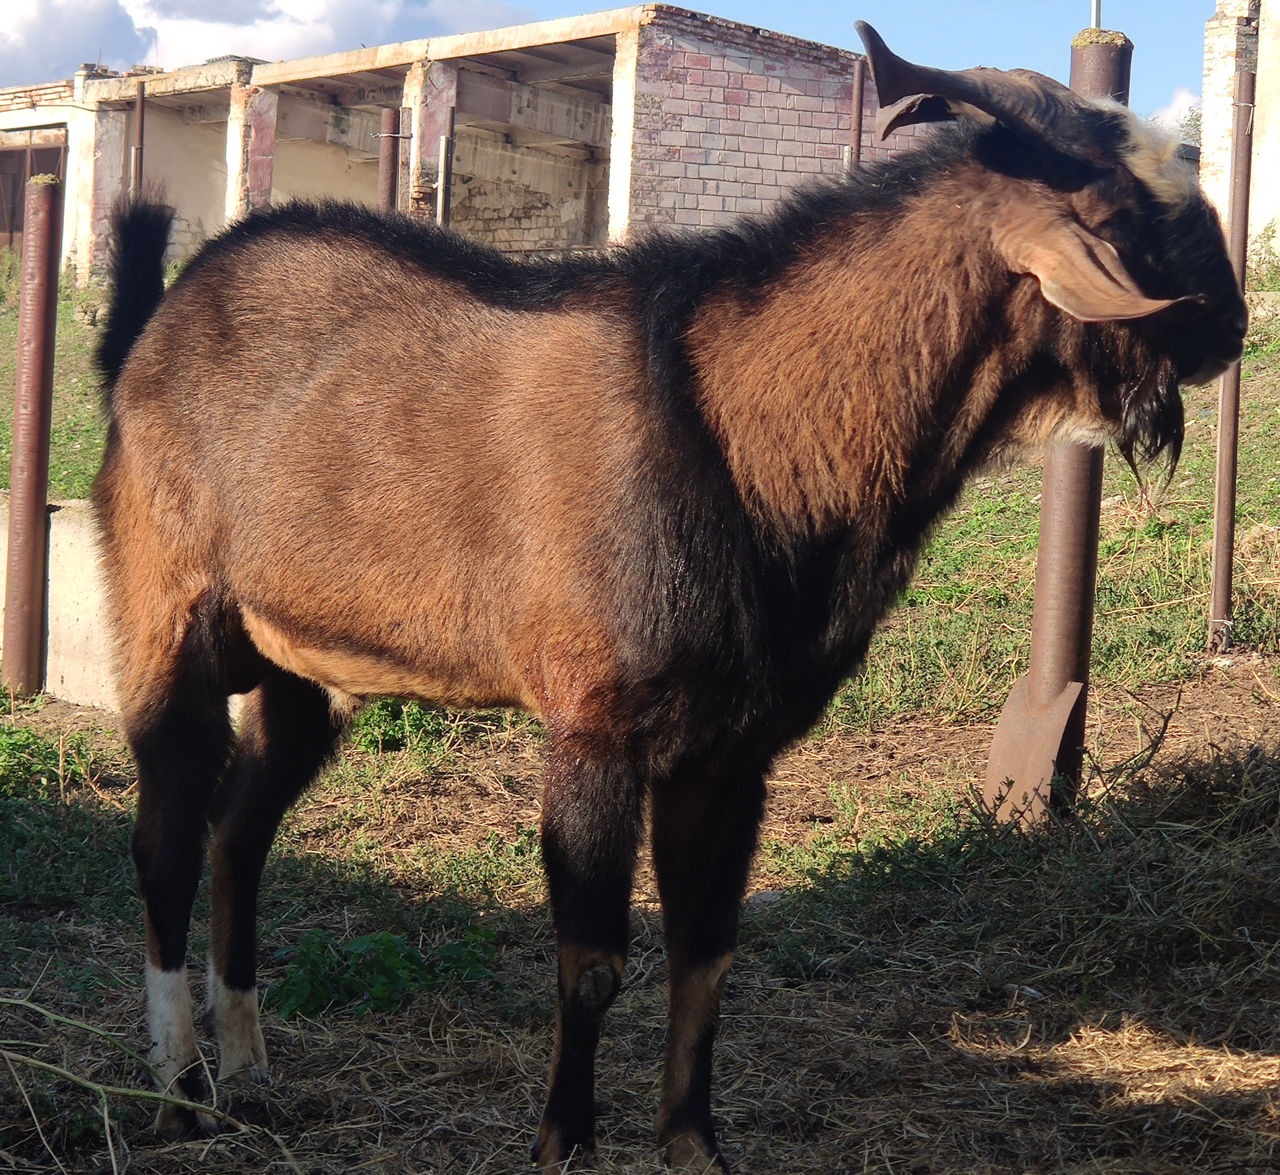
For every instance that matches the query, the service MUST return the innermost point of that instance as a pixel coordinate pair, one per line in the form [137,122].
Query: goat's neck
[858,380]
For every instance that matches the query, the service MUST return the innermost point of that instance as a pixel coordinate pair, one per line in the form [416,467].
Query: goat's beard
[1151,424]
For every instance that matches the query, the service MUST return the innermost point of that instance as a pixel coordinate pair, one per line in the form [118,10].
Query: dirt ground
[896,1046]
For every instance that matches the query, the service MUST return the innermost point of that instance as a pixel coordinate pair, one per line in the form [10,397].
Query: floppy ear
[1078,272]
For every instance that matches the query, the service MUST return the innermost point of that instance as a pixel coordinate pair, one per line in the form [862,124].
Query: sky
[45,40]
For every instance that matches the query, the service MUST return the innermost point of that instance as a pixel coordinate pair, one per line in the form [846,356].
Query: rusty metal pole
[388,157]
[1224,490]
[1040,734]
[855,118]
[22,661]
[444,175]
[135,159]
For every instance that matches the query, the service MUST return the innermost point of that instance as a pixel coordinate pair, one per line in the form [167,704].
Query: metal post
[855,118]
[22,662]
[1224,490]
[135,159]
[388,157]
[444,175]
[1041,730]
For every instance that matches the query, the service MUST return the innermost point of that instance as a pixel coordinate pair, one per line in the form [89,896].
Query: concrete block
[79,652]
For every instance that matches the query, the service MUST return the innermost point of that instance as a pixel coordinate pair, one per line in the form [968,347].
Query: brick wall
[523,200]
[29,97]
[727,119]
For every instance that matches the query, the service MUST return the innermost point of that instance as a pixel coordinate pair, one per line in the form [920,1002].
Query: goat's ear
[1078,272]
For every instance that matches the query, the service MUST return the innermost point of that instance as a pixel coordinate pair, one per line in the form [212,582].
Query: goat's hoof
[250,1074]
[690,1154]
[182,1122]
[551,1154]
[178,1123]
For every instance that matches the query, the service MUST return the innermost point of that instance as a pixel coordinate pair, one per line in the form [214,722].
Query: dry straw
[1099,997]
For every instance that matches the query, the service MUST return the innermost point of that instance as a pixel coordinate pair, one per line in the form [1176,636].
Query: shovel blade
[1024,751]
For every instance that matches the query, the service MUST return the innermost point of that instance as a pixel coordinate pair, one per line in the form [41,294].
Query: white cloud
[278,29]
[1173,116]
[44,40]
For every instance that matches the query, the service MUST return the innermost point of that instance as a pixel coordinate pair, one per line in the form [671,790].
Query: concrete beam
[301,118]
[406,53]
[372,96]
[547,32]
[400,54]
[192,79]
[547,115]
[600,65]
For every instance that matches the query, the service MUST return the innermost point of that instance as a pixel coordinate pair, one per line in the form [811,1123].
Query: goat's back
[396,482]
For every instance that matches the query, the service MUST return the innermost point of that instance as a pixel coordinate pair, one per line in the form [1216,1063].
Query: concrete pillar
[251,145]
[622,138]
[90,166]
[1230,44]
[99,158]
[1264,190]
[430,96]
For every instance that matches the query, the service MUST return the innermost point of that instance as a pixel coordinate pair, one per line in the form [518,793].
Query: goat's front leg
[592,811]
[704,834]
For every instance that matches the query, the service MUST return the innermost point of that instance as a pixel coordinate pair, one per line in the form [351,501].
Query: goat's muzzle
[1204,338]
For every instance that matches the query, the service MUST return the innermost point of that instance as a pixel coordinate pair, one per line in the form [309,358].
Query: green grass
[372,973]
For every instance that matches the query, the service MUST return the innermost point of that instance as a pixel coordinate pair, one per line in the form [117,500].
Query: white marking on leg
[173,1041]
[235,1022]
[169,1021]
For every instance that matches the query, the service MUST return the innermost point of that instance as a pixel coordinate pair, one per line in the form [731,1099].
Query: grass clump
[372,973]
[63,843]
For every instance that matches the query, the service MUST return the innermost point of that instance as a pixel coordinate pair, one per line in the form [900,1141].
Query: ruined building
[566,133]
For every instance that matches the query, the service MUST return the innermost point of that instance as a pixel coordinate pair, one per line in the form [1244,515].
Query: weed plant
[373,972]
[1263,271]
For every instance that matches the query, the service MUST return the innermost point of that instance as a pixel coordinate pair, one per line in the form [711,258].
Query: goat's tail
[139,235]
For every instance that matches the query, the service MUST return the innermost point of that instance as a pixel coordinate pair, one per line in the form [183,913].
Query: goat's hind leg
[704,833]
[288,730]
[177,726]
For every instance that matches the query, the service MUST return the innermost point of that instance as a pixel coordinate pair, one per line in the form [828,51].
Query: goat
[659,496]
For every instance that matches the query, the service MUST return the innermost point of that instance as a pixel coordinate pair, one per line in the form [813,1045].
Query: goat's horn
[1020,98]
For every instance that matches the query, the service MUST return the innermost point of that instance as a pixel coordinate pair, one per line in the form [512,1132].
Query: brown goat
[659,496]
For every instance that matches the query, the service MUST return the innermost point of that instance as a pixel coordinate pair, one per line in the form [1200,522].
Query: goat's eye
[1116,227]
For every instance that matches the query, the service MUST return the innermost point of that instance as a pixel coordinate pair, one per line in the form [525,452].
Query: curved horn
[1019,98]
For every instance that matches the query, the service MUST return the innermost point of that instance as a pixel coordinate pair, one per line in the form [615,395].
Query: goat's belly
[368,674]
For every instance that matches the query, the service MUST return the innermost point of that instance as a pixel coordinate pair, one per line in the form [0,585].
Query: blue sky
[1168,35]
[45,39]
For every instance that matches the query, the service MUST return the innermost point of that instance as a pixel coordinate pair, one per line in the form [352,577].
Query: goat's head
[1115,230]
